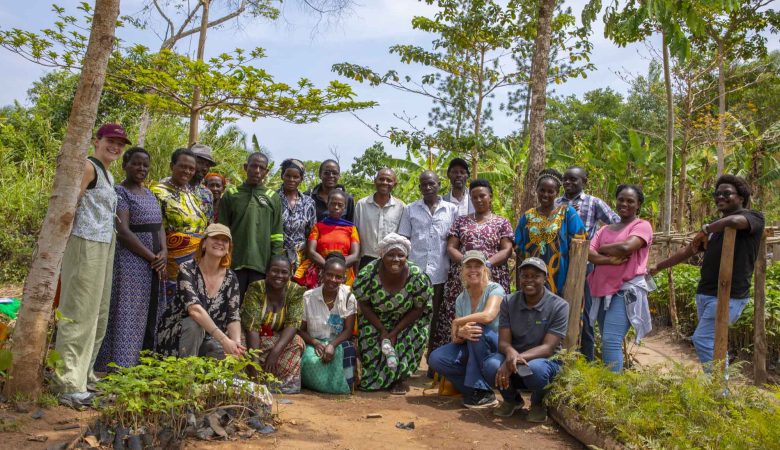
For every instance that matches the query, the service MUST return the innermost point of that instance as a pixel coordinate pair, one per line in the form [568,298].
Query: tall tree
[26,372]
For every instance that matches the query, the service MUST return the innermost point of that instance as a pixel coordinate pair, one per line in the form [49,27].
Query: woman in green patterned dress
[394,296]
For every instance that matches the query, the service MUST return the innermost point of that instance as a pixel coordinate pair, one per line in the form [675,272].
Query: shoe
[506,409]
[480,400]
[77,400]
[537,414]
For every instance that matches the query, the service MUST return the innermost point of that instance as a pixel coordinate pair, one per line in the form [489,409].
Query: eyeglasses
[722,194]
[330,173]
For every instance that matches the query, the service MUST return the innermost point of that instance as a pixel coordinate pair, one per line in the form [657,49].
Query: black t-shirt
[321,206]
[745,252]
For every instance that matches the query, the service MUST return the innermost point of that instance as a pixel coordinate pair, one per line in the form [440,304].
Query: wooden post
[574,290]
[672,297]
[776,248]
[759,326]
[724,294]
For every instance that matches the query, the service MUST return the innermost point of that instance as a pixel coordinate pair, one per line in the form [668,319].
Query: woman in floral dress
[484,231]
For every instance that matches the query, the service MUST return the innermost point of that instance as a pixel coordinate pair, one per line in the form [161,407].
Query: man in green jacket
[253,213]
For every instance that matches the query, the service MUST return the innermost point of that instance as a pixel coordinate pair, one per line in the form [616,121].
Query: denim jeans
[704,336]
[614,325]
[544,370]
[463,364]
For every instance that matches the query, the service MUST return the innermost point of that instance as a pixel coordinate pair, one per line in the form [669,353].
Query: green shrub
[674,407]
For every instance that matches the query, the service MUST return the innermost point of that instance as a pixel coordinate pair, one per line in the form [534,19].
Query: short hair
[481,182]
[385,169]
[254,155]
[638,189]
[279,258]
[584,170]
[739,183]
[337,191]
[551,174]
[322,164]
[179,152]
[459,162]
[334,258]
[132,151]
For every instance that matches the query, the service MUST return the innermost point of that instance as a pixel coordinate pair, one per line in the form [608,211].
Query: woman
[328,363]
[483,231]
[203,319]
[184,219]
[139,265]
[298,213]
[332,234]
[271,315]
[474,334]
[545,232]
[330,172]
[394,297]
[215,183]
[617,283]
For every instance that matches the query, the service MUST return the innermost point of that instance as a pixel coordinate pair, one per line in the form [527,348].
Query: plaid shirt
[592,210]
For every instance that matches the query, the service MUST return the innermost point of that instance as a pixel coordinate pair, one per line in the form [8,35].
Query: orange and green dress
[332,235]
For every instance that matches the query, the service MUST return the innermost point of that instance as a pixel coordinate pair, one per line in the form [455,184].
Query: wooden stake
[574,290]
[672,297]
[776,248]
[724,294]
[759,318]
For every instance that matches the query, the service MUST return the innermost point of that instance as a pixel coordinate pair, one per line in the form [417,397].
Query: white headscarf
[394,240]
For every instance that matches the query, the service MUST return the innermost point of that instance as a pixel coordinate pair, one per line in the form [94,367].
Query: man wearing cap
[426,223]
[253,213]
[532,323]
[204,162]
[458,172]
[87,271]
[377,215]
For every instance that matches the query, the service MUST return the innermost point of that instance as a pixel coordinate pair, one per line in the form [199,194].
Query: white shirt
[317,315]
[374,222]
[428,235]
[464,206]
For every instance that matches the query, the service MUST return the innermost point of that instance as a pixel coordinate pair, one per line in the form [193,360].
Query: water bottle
[389,352]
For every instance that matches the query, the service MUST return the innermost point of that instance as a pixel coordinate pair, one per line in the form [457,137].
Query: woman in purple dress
[139,262]
[484,231]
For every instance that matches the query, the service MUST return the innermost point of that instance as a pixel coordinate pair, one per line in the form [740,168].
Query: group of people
[334,294]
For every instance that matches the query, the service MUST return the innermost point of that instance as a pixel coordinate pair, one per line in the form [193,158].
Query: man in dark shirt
[531,325]
[732,196]
[330,173]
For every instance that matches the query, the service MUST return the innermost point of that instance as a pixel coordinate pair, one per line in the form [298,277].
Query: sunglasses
[723,194]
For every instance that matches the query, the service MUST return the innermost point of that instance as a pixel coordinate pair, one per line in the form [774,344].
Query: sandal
[399,388]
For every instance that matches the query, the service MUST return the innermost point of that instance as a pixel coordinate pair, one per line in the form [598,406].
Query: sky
[299,45]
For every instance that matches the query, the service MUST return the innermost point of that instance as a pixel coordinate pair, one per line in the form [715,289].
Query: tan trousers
[87,273]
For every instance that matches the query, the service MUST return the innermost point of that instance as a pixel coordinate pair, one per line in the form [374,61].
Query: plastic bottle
[389,352]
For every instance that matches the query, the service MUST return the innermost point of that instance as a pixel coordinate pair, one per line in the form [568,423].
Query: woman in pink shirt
[617,284]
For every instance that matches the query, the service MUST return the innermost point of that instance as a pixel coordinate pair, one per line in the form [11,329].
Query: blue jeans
[587,336]
[462,364]
[544,370]
[704,336]
[614,325]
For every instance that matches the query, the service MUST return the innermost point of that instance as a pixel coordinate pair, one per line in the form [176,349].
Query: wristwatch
[705,228]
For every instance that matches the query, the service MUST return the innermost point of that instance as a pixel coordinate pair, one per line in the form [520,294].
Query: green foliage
[160,392]
[669,407]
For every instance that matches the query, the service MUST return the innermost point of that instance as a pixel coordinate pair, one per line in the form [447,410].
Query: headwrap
[394,240]
[214,174]
[291,163]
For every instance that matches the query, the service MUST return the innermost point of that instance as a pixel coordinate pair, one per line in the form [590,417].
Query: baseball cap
[203,151]
[217,229]
[459,162]
[474,254]
[112,130]
[534,262]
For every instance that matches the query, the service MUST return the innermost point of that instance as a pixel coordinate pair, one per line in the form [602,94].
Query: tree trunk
[669,173]
[526,110]
[143,126]
[539,68]
[721,146]
[682,187]
[478,118]
[195,109]
[29,346]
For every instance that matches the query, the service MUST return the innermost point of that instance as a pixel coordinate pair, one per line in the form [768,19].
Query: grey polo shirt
[530,325]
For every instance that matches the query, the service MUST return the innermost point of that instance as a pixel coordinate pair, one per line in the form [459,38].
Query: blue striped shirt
[592,210]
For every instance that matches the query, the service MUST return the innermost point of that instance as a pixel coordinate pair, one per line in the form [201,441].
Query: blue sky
[295,49]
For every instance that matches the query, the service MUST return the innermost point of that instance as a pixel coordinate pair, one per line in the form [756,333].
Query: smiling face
[546,192]
[291,179]
[394,261]
[337,203]
[203,168]
[333,275]
[109,149]
[256,170]
[137,168]
[727,199]
[627,204]
[482,199]
[183,170]
[573,182]
[385,181]
[217,246]
[532,281]
[429,186]
[473,272]
[330,174]
[278,274]
[214,184]
[458,176]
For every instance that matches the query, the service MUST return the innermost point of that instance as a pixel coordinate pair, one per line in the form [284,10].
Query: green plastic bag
[10,309]
[326,378]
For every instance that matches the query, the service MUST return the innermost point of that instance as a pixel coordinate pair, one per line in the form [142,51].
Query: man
[532,324]
[254,215]
[377,215]
[426,223]
[458,172]
[204,163]
[732,197]
[592,211]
